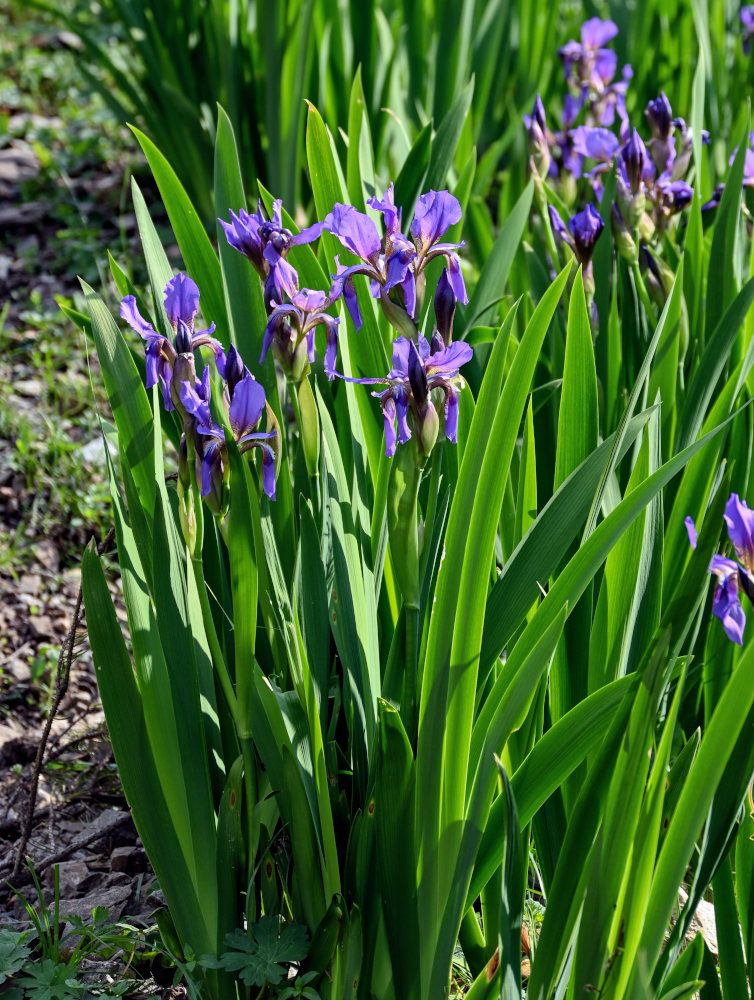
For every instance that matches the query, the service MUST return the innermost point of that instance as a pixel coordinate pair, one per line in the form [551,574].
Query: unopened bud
[445,307]
[397,316]
[234,369]
[184,370]
[624,240]
[182,338]
[430,427]
[417,377]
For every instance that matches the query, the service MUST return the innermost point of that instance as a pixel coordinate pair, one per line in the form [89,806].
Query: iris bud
[430,427]
[624,240]
[234,369]
[182,338]
[445,307]
[184,370]
[397,316]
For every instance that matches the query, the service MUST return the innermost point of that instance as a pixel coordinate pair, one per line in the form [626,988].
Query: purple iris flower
[673,196]
[732,574]
[292,325]
[583,231]
[747,23]
[595,33]
[244,404]
[595,144]
[398,263]
[266,243]
[181,297]
[416,372]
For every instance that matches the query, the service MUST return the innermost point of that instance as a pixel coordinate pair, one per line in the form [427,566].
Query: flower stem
[218,659]
[409,696]
[642,289]
[429,522]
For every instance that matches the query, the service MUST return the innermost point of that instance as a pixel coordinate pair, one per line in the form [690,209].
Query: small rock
[75,878]
[19,669]
[41,627]
[46,553]
[93,453]
[113,899]
[703,921]
[30,583]
[128,859]
[30,387]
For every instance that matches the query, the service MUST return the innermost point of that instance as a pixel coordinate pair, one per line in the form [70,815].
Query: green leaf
[552,758]
[578,421]
[668,311]
[396,859]
[512,893]
[722,277]
[544,546]
[497,266]
[198,255]
[128,398]
[717,744]
[711,365]
[126,725]
[445,142]
[410,180]
[260,960]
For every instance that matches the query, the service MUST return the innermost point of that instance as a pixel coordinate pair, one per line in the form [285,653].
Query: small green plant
[15,949]
[42,964]
[263,957]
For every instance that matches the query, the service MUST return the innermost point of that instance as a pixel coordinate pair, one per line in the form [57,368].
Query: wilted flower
[244,403]
[415,374]
[181,305]
[732,574]
[266,243]
[290,332]
[399,264]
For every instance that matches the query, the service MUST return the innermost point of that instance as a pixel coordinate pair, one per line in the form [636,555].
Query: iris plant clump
[468,632]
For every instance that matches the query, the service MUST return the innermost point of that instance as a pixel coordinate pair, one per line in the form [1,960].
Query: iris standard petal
[355,231]
[595,32]
[390,213]
[181,300]
[435,213]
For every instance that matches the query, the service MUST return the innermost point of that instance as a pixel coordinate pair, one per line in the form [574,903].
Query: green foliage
[262,958]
